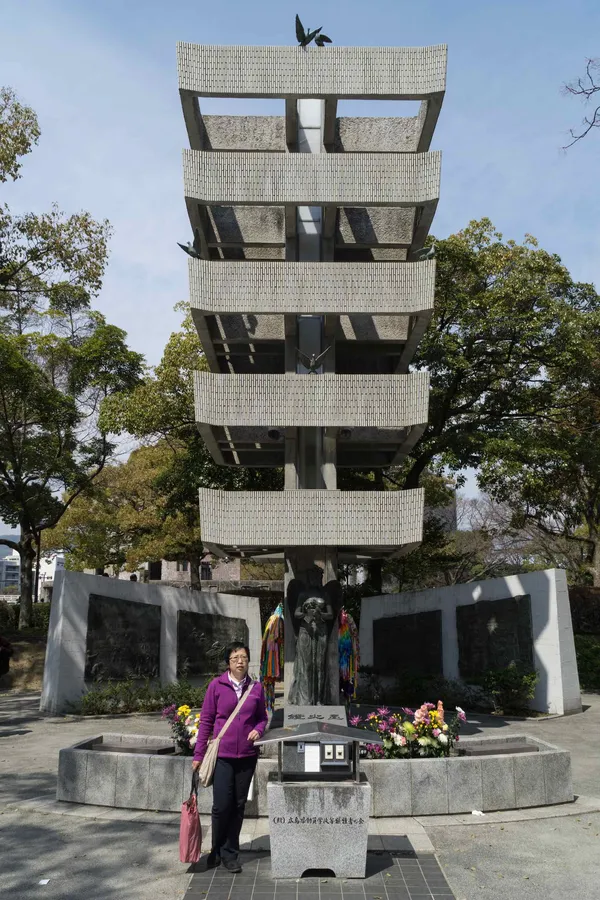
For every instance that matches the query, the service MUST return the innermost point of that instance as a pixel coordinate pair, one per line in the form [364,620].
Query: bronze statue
[314,609]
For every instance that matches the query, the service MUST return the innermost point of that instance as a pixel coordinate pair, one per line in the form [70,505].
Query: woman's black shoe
[232,865]
[212,860]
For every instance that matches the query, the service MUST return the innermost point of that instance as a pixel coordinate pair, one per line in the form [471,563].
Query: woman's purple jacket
[219,703]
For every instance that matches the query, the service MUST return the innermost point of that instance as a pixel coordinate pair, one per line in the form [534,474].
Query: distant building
[50,564]
[10,571]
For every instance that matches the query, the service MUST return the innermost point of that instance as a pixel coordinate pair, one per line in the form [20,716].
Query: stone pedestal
[319,825]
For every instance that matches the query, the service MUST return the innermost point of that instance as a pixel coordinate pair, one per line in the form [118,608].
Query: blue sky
[102,77]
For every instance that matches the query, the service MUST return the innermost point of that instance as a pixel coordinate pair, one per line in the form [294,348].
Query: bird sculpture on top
[425,253]
[313,361]
[191,249]
[305,37]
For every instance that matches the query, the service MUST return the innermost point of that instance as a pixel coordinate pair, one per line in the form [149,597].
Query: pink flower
[383,726]
[407,711]
[355,720]
[436,732]
[372,715]
[383,711]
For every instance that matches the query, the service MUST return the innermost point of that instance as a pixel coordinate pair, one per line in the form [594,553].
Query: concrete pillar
[309,452]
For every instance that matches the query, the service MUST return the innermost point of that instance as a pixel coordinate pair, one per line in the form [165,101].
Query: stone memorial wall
[485,624]
[110,628]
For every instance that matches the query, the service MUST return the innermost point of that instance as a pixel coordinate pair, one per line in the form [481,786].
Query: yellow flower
[184,710]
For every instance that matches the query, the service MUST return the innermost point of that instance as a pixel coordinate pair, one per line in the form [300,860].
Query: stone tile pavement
[389,876]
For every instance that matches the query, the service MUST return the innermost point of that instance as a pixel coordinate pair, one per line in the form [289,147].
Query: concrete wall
[65,653]
[399,787]
[554,648]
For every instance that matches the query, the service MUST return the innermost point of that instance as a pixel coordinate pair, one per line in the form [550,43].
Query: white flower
[193,740]
[397,739]
[443,738]
[459,710]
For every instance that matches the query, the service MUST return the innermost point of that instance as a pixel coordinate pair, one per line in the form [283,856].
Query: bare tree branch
[585,88]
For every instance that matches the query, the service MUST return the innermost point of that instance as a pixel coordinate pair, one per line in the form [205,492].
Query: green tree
[504,314]
[548,473]
[58,358]
[19,129]
[121,520]
[160,411]
[508,328]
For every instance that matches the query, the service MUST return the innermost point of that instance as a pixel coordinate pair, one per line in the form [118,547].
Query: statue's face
[313,604]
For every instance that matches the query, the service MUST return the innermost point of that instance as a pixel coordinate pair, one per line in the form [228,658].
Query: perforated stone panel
[377,401]
[317,288]
[312,518]
[367,72]
[312,179]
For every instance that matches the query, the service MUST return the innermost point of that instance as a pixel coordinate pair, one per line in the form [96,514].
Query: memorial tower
[309,301]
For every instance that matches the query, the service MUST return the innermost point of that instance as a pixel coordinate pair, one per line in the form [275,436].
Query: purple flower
[407,711]
[383,711]
[355,720]
[383,726]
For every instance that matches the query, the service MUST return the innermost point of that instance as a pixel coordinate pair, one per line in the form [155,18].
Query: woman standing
[237,754]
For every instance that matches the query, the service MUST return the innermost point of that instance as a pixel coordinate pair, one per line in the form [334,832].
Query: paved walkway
[104,854]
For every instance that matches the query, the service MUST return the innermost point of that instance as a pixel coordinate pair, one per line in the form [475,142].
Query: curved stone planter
[416,787]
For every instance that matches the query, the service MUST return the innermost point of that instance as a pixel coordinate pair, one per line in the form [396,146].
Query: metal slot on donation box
[335,755]
[330,752]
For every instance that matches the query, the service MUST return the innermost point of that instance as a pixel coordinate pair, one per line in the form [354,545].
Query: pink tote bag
[190,832]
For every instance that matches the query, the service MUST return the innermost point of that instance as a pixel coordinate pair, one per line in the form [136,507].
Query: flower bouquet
[184,727]
[412,733]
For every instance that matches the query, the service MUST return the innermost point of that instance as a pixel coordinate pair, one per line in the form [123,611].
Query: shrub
[118,697]
[587,648]
[409,688]
[511,688]
[370,688]
[9,616]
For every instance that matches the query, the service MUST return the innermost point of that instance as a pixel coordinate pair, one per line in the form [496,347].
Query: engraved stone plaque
[411,643]
[494,633]
[201,638]
[123,639]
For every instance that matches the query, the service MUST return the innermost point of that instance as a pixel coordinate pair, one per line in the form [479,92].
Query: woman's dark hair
[232,647]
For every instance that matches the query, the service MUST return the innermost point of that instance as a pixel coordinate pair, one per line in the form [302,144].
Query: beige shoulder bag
[207,766]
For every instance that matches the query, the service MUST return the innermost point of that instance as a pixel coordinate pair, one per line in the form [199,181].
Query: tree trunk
[195,583]
[27,554]
[376,575]
[38,541]
[595,559]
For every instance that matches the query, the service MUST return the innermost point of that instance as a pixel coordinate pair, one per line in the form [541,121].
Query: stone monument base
[319,825]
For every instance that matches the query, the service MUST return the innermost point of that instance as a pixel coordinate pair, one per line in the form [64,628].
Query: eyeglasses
[238,659]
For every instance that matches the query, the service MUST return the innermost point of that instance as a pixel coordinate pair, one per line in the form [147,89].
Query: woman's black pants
[231,783]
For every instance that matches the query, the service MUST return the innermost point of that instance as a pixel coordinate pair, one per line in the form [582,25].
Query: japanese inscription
[318,820]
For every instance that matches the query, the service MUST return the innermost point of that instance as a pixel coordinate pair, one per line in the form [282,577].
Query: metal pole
[355,762]
[280,760]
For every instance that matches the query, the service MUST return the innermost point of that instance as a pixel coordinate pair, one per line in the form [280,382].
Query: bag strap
[195,783]
[239,705]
